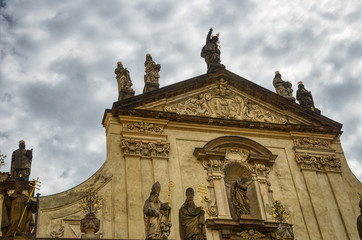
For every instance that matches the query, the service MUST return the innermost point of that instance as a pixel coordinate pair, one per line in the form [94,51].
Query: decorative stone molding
[223,103]
[251,234]
[131,146]
[58,234]
[311,142]
[144,127]
[309,161]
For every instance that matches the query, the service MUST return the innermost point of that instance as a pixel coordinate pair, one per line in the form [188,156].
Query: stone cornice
[226,122]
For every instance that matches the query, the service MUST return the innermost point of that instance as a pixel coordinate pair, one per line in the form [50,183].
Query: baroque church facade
[242,148]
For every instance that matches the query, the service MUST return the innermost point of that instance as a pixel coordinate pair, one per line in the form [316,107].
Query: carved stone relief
[132,146]
[318,163]
[311,142]
[223,103]
[251,234]
[143,127]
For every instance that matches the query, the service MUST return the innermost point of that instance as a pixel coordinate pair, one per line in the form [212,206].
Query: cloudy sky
[57,65]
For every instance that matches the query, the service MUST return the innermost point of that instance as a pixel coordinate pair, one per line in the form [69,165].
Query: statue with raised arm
[283,88]
[152,74]
[211,52]
[305,98]
[21,162]
[124,82]
[191,219]
[156,215]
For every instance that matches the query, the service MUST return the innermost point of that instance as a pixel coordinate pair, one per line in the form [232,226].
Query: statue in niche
[21,162]
[13,208]
[152,74]
[239,199]
[305,98]
[211,52]
[283,88]
[124,82]
[156,215]
[191,219]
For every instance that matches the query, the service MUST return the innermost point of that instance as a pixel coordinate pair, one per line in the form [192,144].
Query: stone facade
[214,130]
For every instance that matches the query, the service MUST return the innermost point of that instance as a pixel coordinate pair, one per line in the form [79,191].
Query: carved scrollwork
[251,234]
[131,146]
[223,103]
[211,207]
[144,127]
[260,169]
[310,142]
[318,163]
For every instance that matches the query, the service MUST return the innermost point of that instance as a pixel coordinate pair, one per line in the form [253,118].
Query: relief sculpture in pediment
[231,106]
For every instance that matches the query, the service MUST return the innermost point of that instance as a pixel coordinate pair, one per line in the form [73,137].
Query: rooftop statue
[156,215]
[211,52]
[124,82]
[17,213]
[152,74]
[283,88]
[305,98]
[21,162]
[191,219]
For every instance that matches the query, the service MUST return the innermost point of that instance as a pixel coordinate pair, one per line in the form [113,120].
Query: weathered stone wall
[321,198]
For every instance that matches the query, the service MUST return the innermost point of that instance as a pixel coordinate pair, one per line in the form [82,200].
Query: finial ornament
[211,52]
[124,82]
[283,88]
[90,204]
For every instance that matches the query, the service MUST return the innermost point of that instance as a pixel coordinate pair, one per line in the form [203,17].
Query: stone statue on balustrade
[239,199]
[17,212]
[211,52]
[191,219]
[283,88]
[305,98]
[124,82]
[152,74]
[21,162]
[156,215]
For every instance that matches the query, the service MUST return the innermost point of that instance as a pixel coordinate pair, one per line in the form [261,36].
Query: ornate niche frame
[224,158]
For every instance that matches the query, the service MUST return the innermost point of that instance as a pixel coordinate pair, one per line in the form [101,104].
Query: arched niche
[229,159]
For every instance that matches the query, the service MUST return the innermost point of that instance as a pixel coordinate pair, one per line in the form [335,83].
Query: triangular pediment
[219,100]
[223,95]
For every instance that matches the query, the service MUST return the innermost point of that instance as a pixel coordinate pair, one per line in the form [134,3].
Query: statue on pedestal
[305,98]
[156,215]
[21,162]
[17,212]
[191,219]
[283,88]
[152,74]
[211,52]
[124,82]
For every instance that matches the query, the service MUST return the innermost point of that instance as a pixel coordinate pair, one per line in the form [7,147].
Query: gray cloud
[57,61]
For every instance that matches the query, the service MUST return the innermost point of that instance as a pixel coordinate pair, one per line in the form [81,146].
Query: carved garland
[222,103]
[319,163]
[144,127]
[131,146]
[310,142]
[251,234]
